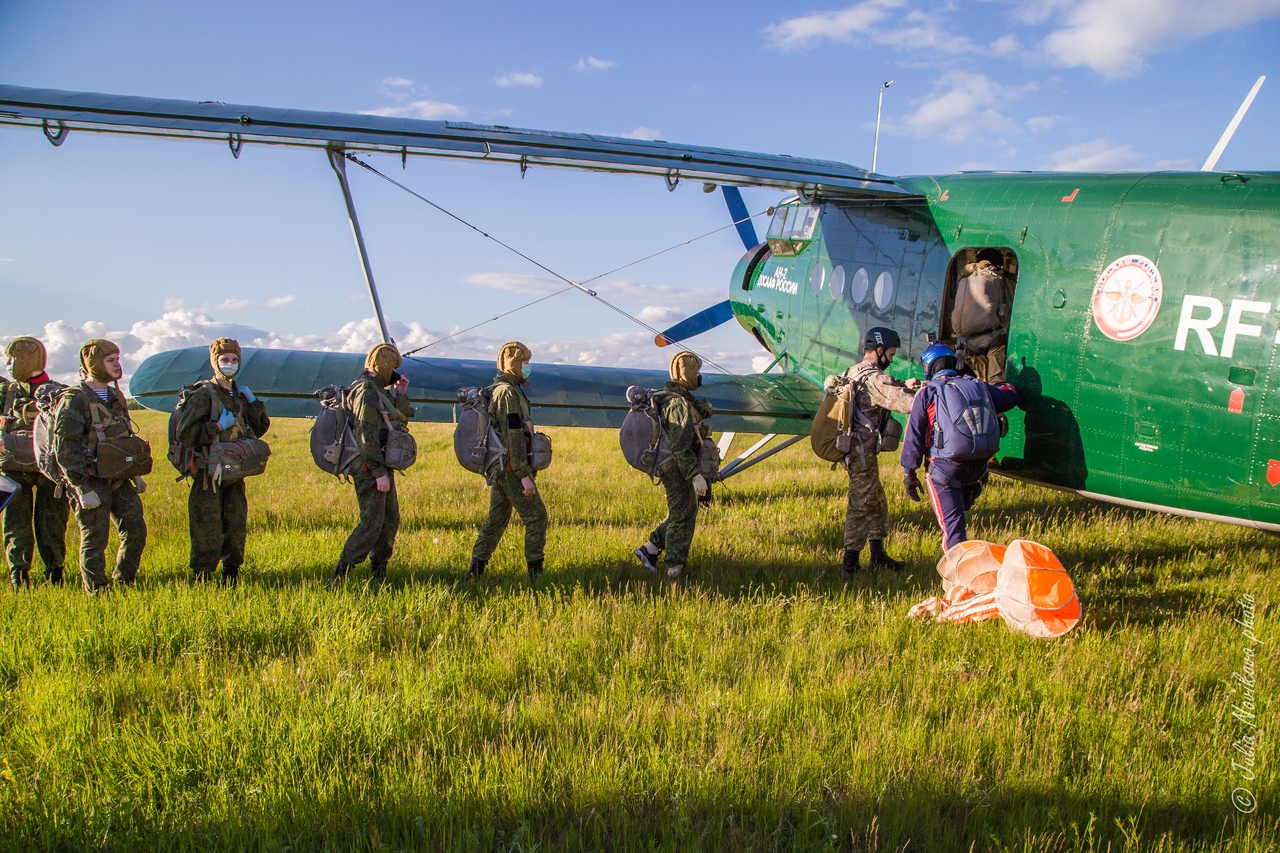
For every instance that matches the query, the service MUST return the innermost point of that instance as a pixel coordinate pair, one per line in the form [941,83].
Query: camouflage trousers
[867,514]
[218,521]
[35,519]
[375,534]
[122,505]
[507,494]
[675,534]
[988,363]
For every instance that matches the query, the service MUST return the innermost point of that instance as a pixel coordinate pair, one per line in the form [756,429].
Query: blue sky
[160,244]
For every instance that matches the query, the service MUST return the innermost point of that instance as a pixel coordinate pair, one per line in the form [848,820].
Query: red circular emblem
[1127,297]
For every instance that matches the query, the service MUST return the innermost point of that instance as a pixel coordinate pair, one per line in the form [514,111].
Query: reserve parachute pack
[333,443]
[400,450]
[243,455]
[965,425]
[477,444]
[17,421]
[839,424]
[645,444]
[117,452]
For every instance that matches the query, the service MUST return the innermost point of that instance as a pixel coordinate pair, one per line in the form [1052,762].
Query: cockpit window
[792,228]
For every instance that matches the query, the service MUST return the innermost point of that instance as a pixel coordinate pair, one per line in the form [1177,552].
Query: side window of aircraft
[858,288]
[978,307]
[817,278]
[791,229]
[837,282]
[884,290]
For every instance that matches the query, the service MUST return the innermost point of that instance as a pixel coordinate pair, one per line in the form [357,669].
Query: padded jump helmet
[933,353]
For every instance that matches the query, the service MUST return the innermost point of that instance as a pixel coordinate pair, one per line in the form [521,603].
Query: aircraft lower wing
[60,112]
[561,395]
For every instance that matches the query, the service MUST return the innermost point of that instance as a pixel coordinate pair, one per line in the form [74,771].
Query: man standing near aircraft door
[954,431]
[378,398]
[980,318]
[875,395]
[36,518]
[514,486]
[682,479]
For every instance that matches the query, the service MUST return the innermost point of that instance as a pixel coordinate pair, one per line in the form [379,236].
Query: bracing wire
[572,285]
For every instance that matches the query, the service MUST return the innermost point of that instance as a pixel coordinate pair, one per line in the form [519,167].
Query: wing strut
[1212,162]
[338,160]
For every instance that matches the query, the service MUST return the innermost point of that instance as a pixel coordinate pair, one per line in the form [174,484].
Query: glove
[911,483]
[226,420]
[383,483]
[140,485]
[699,484]
[530,487]
[248,395]
[90,500]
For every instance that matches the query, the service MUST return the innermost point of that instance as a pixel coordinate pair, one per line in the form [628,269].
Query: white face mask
[228,368]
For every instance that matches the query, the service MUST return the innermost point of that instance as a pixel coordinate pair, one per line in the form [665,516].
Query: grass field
[764,704]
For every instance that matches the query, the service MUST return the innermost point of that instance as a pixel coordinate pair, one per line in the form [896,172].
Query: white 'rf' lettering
[1201,314]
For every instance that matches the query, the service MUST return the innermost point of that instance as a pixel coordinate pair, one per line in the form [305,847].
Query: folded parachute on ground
[1023,584]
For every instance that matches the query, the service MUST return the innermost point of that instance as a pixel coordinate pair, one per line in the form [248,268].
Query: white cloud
[660,316]
[1100,155]
[1039,124]
[431,110]
[962,105]
[235,304]
[397,83]
[531,285]
[591,63]
[1181,165]
[7,260]
[844,25]
[643,132]
[280,301]
[1114,37]
[518,78]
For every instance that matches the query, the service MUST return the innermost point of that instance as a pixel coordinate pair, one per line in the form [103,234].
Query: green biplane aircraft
[1145,328]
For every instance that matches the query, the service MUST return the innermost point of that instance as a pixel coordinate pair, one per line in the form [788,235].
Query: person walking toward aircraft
[953,429]
[980,318]
[84,421]
[682,479]
[218,513]
[36,518]
[379,398]
[514,486]
[875,395]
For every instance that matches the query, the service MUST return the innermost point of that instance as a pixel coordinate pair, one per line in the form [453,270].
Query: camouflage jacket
[370,401]
[198,420]
[509,415]
[681,420]
[74,439]
[18,403]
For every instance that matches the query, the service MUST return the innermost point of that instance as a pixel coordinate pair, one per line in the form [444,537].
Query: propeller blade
[738,210]
[704,321]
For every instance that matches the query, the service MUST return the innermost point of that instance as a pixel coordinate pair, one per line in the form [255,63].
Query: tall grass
[764,704]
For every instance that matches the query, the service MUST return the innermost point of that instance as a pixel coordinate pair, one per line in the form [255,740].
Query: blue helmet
[935,352]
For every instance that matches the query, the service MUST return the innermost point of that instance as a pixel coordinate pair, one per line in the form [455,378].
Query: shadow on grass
[913,815]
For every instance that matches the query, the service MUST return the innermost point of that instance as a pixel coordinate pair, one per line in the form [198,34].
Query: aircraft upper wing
[59,112]
[560,395]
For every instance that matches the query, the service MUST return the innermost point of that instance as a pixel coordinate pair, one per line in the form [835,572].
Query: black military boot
[338,576]
[19,578]
[852,563]
[535,568]
[200,578]
[378,571]
[477,568]
[230,577]
[54,576]
[881,560]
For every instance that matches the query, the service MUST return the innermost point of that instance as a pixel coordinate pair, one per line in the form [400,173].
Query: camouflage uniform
[375,534]
[867,515]
[74,442]
[980,320]
[218,517]
[680,420]
[37,516]
[509,415]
